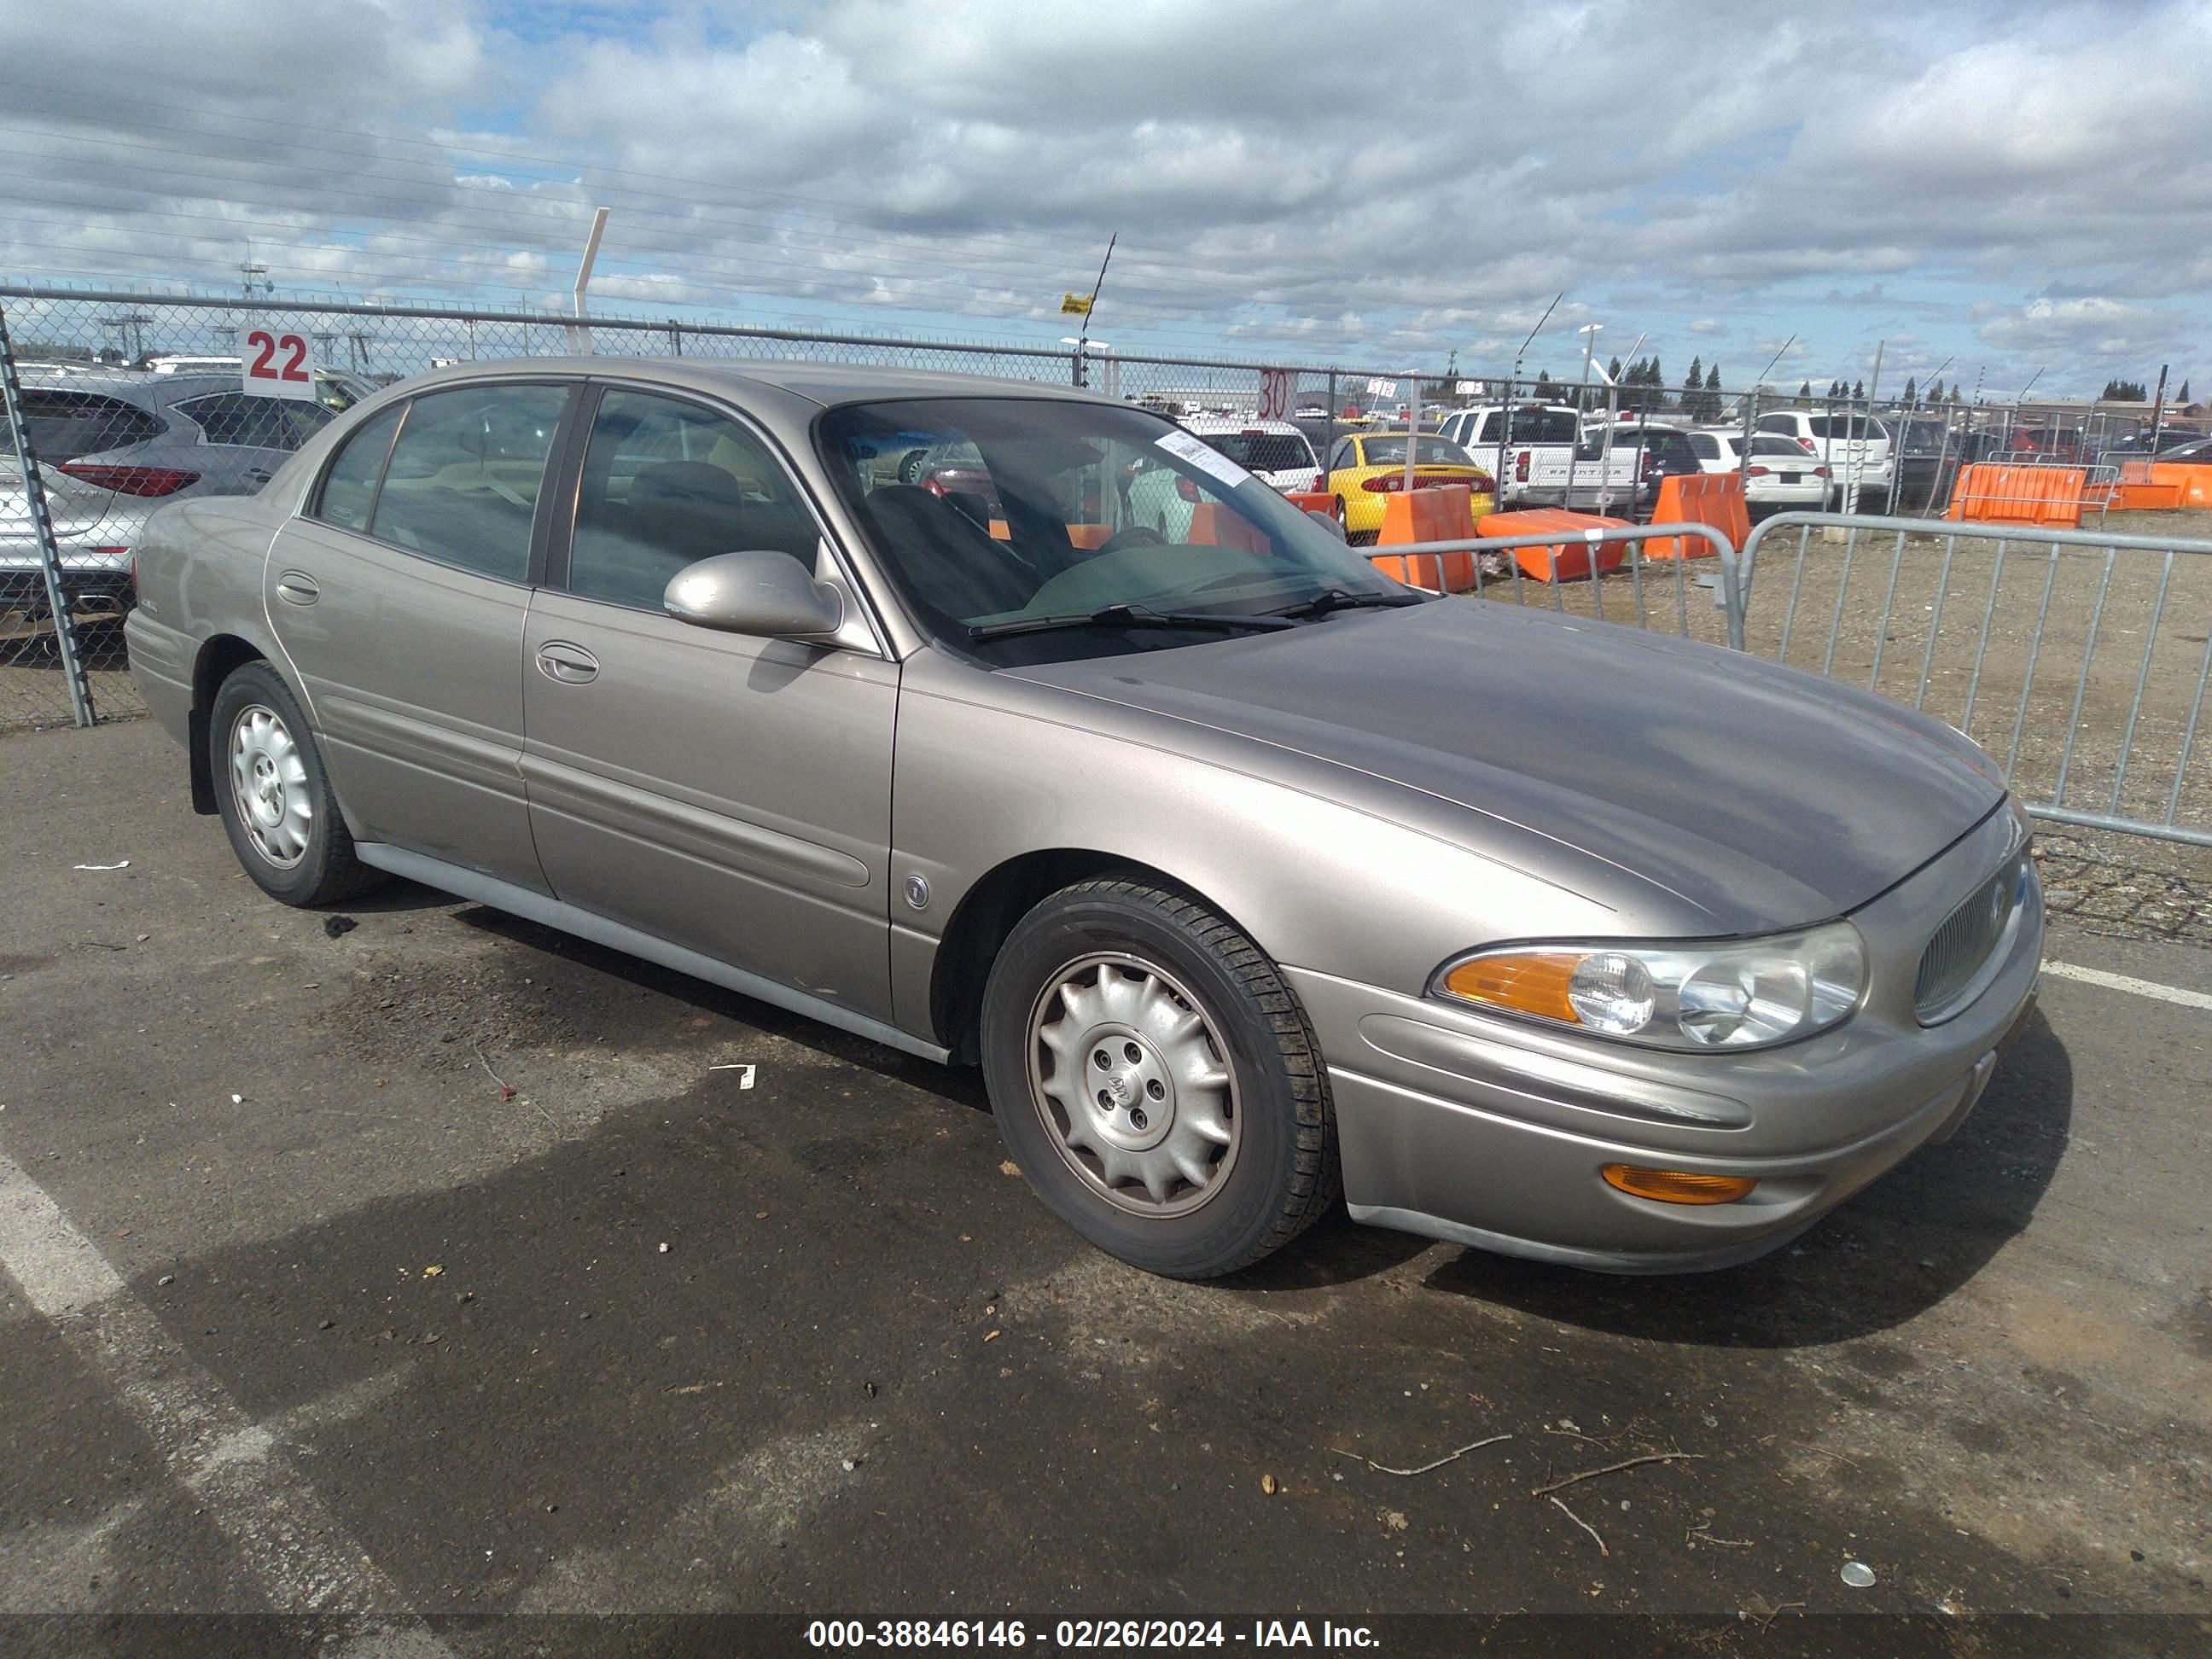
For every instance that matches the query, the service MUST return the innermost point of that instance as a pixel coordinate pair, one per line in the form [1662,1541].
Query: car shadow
[1890,1253]
[963,1085]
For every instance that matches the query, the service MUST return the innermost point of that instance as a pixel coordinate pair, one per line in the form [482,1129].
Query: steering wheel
[1137,535]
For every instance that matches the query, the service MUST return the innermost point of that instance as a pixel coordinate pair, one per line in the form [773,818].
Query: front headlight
[1743,993]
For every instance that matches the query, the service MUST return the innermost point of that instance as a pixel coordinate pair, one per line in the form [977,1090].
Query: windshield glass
[1068,508]
[1433,452]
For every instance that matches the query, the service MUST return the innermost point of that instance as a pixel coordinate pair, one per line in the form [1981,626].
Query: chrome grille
[1962,944]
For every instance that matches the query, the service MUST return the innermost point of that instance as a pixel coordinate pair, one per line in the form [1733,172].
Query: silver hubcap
[1133,1085]
[269,784]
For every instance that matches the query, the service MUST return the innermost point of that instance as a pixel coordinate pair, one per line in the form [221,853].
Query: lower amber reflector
[1677,1186]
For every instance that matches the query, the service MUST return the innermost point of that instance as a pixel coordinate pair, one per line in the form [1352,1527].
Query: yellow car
[1366,469]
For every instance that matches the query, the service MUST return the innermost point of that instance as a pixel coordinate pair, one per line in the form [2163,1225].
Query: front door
[400,599]
[728,794]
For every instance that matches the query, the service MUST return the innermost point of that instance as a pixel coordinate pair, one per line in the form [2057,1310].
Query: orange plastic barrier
[1994,493]
[1569,560]
[1434,513]
[1312,501]
[1089,535]
[1212,525]
[2142,491]
[2194,479]
[1713,498]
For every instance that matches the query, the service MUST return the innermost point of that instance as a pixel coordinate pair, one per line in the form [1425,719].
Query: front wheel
[1156,1081]
[274,797]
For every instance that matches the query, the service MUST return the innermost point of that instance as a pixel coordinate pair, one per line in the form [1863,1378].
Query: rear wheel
[274,797]
[1157,1080]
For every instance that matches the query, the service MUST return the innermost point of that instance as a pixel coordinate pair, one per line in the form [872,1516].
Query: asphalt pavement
[442,1266]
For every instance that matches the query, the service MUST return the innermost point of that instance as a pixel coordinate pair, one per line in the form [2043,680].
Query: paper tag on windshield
[1208,460]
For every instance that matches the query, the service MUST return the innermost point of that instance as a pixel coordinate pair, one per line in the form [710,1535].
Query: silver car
[114,444]
[1247,875]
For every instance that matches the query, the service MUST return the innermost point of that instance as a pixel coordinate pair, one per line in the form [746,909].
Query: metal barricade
[1642,588]
[1966,622]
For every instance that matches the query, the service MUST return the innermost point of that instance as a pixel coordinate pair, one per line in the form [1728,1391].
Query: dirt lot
[300,1312]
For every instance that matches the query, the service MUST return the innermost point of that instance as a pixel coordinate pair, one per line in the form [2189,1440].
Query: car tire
[1206,1140]
[274,797]
[911,465]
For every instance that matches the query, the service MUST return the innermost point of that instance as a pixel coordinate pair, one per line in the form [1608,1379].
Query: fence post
[42,530]
[1328,430]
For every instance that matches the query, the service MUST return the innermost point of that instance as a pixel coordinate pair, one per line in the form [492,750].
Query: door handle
[569,665]
[297,587]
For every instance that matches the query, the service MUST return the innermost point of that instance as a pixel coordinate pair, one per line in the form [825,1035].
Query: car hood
[1763,796]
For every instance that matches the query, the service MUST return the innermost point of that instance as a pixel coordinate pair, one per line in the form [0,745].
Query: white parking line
[2141,988]
[303,1560]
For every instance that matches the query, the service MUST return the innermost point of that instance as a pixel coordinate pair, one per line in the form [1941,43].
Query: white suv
[1855,448]
[1274,451]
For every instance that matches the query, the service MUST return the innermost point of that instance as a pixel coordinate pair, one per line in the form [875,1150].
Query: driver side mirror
[763,592]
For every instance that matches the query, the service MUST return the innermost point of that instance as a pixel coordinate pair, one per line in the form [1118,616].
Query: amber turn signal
[1535,983]
[1677,1186]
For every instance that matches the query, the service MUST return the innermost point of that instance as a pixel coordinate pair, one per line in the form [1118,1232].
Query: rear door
[729,793]
[400,599]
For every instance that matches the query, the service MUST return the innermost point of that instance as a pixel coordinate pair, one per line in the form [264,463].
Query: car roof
[162,389]
[1217,425]
[826,384]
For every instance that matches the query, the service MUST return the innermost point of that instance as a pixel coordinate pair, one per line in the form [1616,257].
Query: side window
[238,417]
[350,487]
[667,483]
[1706,447]
[1341,456]
[462,485]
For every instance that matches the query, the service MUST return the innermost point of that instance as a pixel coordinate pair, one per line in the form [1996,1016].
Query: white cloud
[1844,175]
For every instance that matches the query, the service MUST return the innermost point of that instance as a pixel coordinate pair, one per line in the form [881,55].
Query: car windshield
[1433,452]
[1071,508]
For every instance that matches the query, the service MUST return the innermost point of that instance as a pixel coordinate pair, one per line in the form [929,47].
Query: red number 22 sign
[277,365]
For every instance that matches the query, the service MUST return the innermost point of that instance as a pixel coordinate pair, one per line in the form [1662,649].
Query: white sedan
[1781,477]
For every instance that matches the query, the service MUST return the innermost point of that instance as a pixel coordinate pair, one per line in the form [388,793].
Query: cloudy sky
[2011,186]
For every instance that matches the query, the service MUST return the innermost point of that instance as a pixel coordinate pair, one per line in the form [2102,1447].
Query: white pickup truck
[1540,457]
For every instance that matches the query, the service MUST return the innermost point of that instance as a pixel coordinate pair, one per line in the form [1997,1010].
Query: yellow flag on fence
[1075,305]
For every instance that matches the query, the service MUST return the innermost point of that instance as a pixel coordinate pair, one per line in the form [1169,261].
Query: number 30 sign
[277,365]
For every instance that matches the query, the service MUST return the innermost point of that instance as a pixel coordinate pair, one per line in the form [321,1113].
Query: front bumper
[1491,1132]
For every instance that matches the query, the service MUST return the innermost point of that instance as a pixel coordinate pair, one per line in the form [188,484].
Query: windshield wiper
[1338,599]
[1127,615]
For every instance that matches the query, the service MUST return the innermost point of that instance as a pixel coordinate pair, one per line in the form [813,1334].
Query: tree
[1712,398]
[1934,392]
[2184,398]
[1858,390]
[1612,371]
[1543,377]
[2123,391]
[1835,390]
[1956,397]
[1805,392]
[1911,399]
